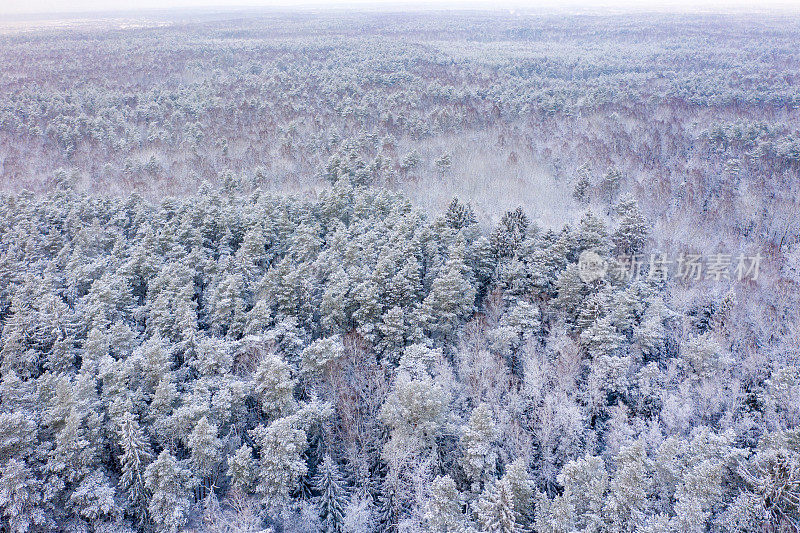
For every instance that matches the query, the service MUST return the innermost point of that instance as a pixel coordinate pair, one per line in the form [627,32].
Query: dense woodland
[319,273]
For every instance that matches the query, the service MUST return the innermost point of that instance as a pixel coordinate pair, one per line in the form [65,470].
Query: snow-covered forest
[320,272]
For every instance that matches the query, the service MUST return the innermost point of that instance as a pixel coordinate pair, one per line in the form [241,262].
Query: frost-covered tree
[242,469]
[170,484]
[495,510]
[21,497]
[332,498]
[281,446]
[631,234]
[443,508]
[452,295]
[134,460]
[319,355]
[206,448]
[477,440]
[274,386]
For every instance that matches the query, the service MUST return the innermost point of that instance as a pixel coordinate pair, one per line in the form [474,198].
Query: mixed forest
[321,272]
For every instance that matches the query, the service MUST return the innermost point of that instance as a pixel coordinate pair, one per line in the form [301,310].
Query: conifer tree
[320,354]
[281,447]
[508,236]
[332,498]
[591,234]
[522,489]
[170,485]
[629,488]
[611,184]
[442,510]
[135,457]
[242,469]
[585,482]
[94,498]
[274,386]
[582,185]
[478,443]
[227,307]
[631,235]
[495,509]
[452,295]
[21,496]
[459,215]
[206,448]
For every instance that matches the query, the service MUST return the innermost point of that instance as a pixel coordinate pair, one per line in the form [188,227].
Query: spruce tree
[332,496]
[134,460]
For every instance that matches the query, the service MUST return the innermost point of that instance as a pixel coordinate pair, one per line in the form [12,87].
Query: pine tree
[572,291]
[459,215]
[18,429]
[478,443]
[154,359]
[585,482]
[443,164]
[206,448]
[495,509]
[611,184]
[170,485]
[396,333]
[631,235]
[110,300]
[442,509]
[213,356]
[242,469]
[591,235]
[601,338]
[554,516]
[227,307]
[508,236]
[274,385]
[134,459]
[94,498]
[75,452]
[522,489]
[322,353]
[452,295]
[702,356]
[629,488]
[281,447]
[332,498]
[21,496]
[582,185]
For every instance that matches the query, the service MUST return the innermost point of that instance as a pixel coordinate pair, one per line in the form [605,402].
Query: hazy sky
[15,7]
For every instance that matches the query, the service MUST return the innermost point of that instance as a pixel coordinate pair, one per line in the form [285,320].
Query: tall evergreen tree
[134,460]
[170,484]
[332,498]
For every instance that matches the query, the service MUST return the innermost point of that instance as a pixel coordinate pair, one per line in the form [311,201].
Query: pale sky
[19,7]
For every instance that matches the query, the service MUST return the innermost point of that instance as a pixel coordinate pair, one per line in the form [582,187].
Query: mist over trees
[323,273]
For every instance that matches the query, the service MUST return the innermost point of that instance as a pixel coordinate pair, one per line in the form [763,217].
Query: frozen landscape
[442,271]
